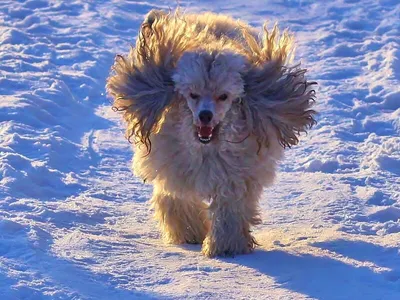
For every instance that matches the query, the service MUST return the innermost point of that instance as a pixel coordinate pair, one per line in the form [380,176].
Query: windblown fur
[271,105]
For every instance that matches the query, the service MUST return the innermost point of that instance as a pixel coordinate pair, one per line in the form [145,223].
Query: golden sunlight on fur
[210,104]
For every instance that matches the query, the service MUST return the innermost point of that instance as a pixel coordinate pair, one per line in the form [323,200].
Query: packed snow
[76,224]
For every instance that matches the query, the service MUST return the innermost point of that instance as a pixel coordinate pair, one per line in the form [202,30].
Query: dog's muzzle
[205,130]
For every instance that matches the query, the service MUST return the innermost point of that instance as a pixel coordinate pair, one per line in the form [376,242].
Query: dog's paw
[184,235]
[229,246]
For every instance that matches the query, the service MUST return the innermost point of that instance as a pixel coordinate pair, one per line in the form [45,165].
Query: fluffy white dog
[210,106]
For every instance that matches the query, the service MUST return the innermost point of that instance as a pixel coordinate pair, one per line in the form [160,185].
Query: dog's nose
[205,116]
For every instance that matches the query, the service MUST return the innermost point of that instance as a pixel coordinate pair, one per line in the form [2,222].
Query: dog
[210,105]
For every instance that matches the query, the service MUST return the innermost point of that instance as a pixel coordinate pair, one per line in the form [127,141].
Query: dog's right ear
[141,84]
[152,16]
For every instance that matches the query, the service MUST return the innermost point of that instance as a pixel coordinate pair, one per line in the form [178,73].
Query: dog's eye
[194,96]
[223,97]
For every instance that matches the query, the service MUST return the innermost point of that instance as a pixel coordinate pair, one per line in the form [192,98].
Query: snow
[76,224]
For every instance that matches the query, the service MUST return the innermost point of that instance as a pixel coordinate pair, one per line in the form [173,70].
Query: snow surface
[75,223]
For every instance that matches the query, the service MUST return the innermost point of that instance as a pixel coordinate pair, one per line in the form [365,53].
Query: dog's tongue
[205,131]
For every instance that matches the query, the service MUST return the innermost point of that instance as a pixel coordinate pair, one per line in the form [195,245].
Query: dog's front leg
[230,229]
[181,220]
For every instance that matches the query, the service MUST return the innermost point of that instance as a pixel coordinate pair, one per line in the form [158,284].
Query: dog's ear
[141,83]
[276,96]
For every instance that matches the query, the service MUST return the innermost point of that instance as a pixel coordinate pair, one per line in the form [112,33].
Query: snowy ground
[74,222]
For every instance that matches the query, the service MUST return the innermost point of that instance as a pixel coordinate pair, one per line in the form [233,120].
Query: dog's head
[173,59]
[210,82]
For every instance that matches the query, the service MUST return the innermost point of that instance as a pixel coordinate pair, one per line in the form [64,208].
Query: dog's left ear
[141,83]
[277,96]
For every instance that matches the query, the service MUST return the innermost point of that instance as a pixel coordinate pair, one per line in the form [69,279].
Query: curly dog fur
[259,104]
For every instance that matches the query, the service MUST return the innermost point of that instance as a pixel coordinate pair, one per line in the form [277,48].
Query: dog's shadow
[327,277]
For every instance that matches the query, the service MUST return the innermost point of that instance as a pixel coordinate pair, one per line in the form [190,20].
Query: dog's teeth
[204,139]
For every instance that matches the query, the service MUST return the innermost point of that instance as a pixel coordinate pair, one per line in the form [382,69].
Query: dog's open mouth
[205,134]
